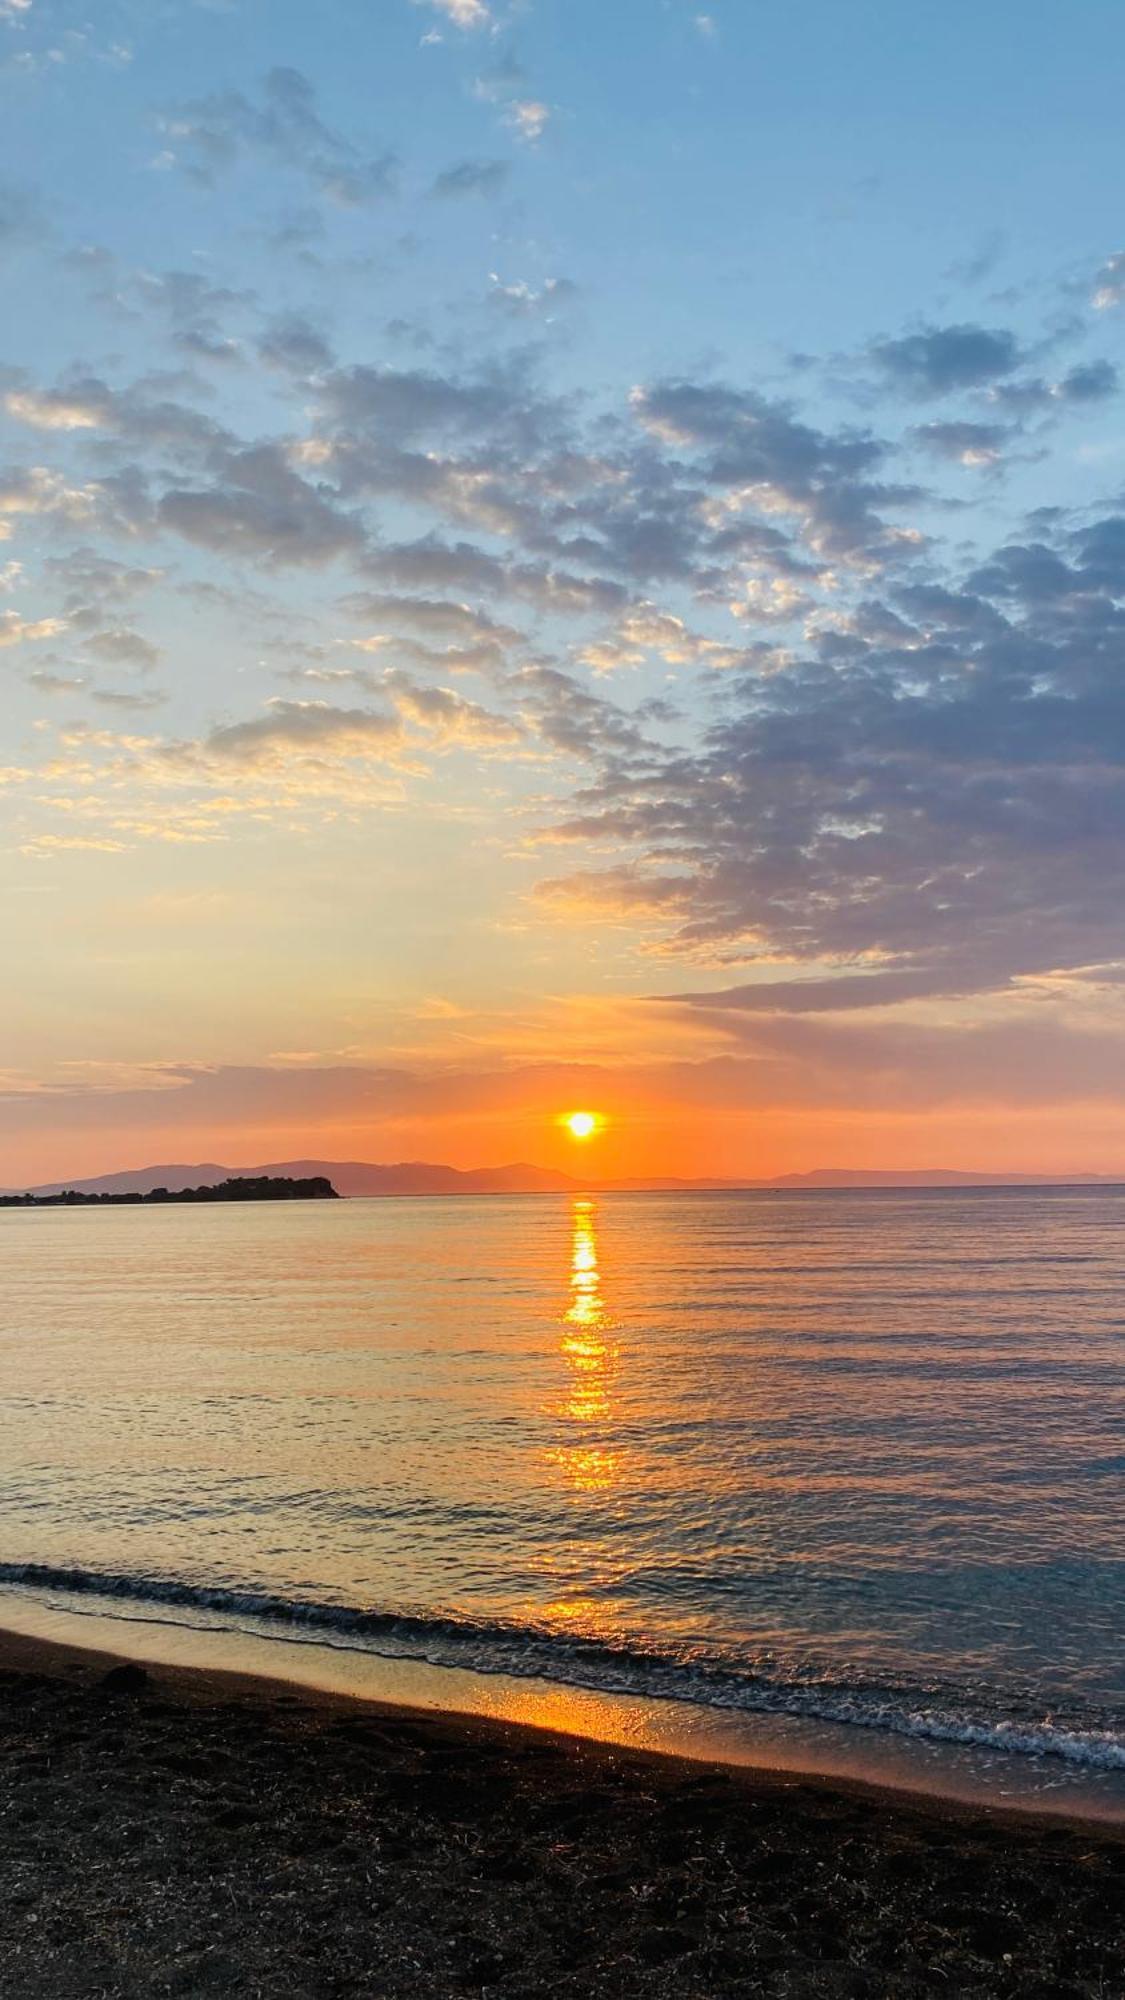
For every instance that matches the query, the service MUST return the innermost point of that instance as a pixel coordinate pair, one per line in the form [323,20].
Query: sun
[581,1124]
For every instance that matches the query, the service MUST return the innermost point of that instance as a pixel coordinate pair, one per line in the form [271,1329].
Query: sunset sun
[581,1124]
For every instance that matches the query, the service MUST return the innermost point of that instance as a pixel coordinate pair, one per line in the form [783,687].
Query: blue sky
[562,536]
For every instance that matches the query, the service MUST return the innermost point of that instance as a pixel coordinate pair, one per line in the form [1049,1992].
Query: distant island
[255,1187]
[299,1180]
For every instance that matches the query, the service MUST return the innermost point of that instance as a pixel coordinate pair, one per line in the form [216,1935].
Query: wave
[942,1715]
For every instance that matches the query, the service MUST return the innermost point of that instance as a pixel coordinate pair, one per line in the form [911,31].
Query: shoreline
[904,1763]
[59,1660]
[177,1829]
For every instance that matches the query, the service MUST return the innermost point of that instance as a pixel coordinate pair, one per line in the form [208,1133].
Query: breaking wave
[928,1713]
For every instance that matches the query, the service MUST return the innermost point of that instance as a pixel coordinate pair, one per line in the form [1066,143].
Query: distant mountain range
[420,1177]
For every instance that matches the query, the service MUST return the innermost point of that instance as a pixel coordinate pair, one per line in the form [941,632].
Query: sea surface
[843,1466]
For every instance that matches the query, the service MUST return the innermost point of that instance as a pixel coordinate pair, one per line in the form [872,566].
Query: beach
[173,1831]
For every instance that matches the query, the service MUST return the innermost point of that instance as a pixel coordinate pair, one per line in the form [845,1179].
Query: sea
[827,1480]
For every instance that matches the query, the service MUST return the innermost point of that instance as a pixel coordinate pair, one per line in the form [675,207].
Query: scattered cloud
[293,343]
[981,262]
[38,491]
[1109,285]
[304,726]
[195,310]
[14,630]
[54,410]
[529,118]
[934,785]
[50,683]
[465,14]
[208,136]
[506,84]
[942,359]
[964,443]
[471,177]
[437,618]
[121,647]
[1089,382]
[136,700]
[261,508]
[524,301]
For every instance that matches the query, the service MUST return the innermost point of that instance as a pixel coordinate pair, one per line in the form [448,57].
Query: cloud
[437,617]
[942,359]
[293,343]
[433,564]
[14,630]
[1109,285]
[529,118]
[195,311]
[719,489]
[646,630]
[506,84]
[494,405]
[263,510]
[740,439]
[447,717]
[65,843]
[524,301]
[933,785]
[615,895]
[1089,382]
[49,683]
[469,177]
[21,216]
[89,580]
[55,410]
[137,414]
[792,1063]
[291,751]
[964,443]
[981,262]
[890,733]
[121,647]
[188,1095]
[463,14]
[304,726]
[132,699]
[855,992]
[209,135]
[37,491]
[570,718]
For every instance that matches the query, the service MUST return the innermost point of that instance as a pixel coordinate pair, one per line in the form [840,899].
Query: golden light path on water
[592,1358]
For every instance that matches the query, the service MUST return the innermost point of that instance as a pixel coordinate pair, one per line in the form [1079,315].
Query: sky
[557,555]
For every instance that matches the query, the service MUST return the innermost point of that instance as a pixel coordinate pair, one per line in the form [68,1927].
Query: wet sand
[179,1832]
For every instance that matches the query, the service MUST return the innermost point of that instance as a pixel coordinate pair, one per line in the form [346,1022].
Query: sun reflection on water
[588,1466]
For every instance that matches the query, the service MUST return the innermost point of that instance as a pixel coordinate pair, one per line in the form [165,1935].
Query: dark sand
[187,1833]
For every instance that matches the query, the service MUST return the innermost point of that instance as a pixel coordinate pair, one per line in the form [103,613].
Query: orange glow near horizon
[641,1132]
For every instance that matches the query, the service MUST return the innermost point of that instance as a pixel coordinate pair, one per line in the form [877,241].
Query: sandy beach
[168,1831]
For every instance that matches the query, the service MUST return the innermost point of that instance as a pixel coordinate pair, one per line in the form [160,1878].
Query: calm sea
[848,1462]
